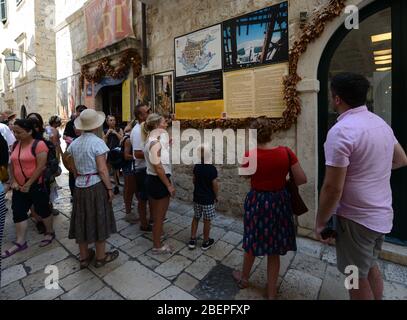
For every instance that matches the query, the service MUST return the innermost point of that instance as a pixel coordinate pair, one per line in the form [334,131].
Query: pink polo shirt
[364,143]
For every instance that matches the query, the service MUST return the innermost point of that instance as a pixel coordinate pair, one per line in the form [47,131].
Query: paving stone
[12,274]
[201,267]
[219,250]
[171,215]
[117,240]
[258,279]
[173,293]
[105,294]
[70,245]
[76,279]
[236,227]
[183,221]
[234,259]
[171,228]
[84,290]
[36,280]
[309,265]
[232,238]
[175,244]
[192,254]
[217,285]
[285,262]
[30,252]
[223,221]
[251,293]
[109,267]
[394,291]
[173,206]
[329,254]
[132,232]
[183,236]
[298,285]
[183,208]
[14,291]
[142,284]
[49,257]
[396,272]
[148,261]
[137,247]
[186,282]
[173,267]
[45,294]
[333,285]
[121,224]
[309,247]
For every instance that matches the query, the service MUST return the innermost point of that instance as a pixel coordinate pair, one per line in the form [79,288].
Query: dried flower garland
[309,32]
[129,58]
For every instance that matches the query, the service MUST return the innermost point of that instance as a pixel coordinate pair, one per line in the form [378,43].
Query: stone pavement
[310,273]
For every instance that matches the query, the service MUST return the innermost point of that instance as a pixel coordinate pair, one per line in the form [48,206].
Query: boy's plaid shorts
[208,211]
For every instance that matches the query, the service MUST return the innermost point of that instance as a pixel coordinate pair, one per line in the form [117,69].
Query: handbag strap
[19,162]
[289,164]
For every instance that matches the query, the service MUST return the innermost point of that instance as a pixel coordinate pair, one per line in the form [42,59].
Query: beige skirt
[92,218]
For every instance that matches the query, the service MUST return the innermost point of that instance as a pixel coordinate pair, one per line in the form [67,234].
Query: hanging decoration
[308,33]
[129,59]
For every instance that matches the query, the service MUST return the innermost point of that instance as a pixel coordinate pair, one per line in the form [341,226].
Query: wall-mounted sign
[108,22]
[199,96]
[256,38]
[199,51]
[164,93]
[256,92]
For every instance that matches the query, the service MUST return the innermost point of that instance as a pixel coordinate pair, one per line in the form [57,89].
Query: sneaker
[116,190]
[207,244]
[147,229]
[192,244]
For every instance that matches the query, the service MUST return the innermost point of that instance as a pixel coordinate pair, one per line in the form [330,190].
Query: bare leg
[83,251]
[34,215]
[363,293]
[21,230]
[376,282]
[100,250]
[194,228]
[206,229]
[142,212]
[273,269]
[248,261]
[159,209]
[48,222]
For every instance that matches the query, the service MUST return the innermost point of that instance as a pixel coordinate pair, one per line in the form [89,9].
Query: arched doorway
[377,50]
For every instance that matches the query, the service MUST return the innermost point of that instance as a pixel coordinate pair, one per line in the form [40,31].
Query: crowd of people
[360,153]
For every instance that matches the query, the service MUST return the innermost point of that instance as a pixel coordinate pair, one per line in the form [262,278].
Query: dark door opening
[377,50]
[112,102]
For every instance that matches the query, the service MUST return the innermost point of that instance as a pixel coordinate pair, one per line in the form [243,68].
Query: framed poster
[164,93]
[257,38]
[144,90]
[199,51]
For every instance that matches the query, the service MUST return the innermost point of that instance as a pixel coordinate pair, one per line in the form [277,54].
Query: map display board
[199,51]
[257,38]
[255,92]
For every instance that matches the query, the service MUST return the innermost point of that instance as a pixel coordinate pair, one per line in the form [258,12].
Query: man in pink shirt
[360,152]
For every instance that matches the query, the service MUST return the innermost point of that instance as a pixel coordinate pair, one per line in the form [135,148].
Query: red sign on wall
[107,22]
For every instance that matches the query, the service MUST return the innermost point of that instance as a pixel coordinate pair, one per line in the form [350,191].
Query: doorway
[111,100]
[375,50]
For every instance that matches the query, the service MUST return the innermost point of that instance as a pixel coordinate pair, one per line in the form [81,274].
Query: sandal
[84,263]
[20,247]
[241,283]
[109,257]
[163,250]
[47,242]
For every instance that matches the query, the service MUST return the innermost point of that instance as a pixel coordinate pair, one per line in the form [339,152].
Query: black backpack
[4,155]
[52,169]
[116,155]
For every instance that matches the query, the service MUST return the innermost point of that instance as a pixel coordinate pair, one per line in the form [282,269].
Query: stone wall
[178,17]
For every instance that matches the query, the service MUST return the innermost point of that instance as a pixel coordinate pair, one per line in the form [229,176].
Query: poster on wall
[257,38]
[107,22]
[144,90]
[163,93]
[256,92]
[199,51]
[199,96]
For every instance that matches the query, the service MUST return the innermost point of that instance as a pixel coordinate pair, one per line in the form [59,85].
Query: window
[3,11]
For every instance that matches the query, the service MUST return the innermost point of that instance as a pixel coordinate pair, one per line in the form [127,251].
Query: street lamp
[13,63]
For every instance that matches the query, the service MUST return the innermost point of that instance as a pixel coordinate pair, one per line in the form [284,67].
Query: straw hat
[89,120]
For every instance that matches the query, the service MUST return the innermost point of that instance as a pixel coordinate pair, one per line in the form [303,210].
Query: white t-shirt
[137,145]
[7,134]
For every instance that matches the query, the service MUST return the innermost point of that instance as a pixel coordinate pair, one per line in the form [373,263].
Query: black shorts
[141,176]
[38,197]
[156,189]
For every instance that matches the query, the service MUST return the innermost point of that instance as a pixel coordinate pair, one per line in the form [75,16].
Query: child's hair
[204,153]
[150,124]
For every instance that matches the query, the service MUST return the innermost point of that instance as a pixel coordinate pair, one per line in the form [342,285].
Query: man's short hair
[137,109]
[80,108]
[352,88]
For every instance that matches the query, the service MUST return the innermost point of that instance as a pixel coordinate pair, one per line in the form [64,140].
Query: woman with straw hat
[92,219]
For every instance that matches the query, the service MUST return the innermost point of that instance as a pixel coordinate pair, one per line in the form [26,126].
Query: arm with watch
[104,174]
